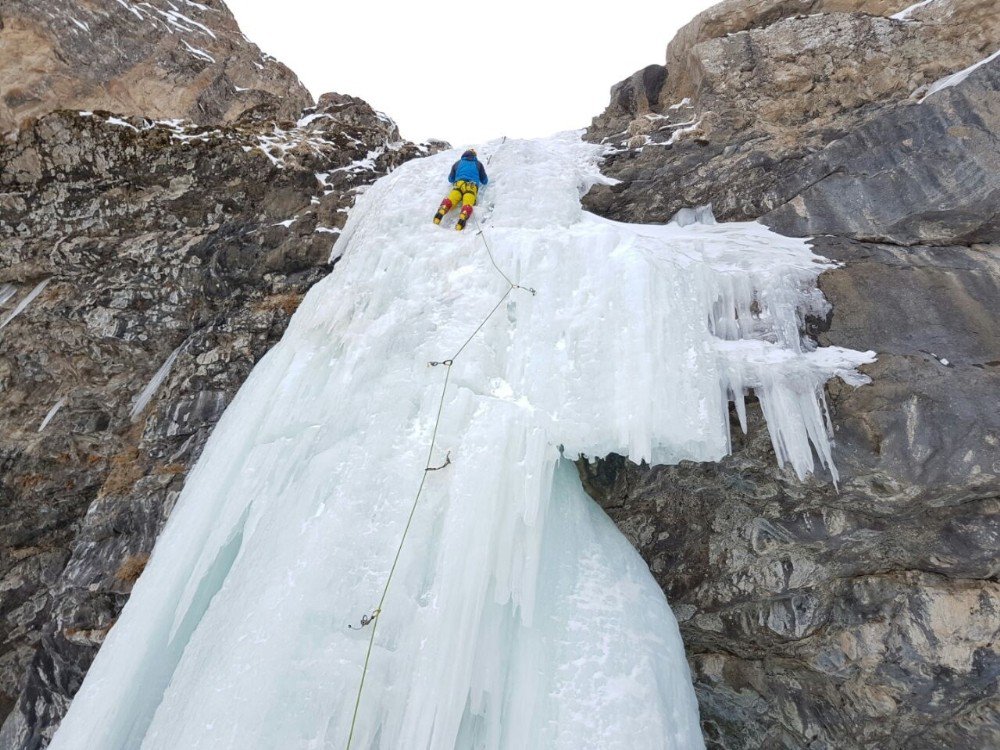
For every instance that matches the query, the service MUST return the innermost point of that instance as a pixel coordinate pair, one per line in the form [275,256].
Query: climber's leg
[468,201]
[454,198]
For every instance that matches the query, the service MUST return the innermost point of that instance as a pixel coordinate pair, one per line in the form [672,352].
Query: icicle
[52,412]
[23,304]
[147,393]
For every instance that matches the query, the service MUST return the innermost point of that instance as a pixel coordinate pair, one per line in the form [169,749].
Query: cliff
[146,265]
[863,614]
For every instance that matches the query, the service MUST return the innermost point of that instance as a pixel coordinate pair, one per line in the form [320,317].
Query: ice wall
[519,616]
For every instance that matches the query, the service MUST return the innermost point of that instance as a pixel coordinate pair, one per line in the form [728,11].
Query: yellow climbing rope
[447,363]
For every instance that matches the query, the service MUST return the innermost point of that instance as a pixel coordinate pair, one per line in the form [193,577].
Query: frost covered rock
[155,58]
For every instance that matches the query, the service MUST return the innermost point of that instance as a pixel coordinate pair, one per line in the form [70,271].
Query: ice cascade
[519,616]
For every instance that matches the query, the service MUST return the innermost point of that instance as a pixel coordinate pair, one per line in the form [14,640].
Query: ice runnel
[519,616]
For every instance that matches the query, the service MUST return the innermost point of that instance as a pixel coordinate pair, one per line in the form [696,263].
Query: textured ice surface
[519,616]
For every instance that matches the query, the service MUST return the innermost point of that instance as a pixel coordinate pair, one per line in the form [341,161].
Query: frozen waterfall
[519,616]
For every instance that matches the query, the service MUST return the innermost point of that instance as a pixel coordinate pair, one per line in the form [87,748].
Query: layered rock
[154,58]
[867,614]
[734,124]
[144,268]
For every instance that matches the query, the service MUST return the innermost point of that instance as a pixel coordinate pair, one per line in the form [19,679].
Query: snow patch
[131,9]
[682,129]
[906,12]
[7,292]
[311,118]
[181,22]
[199,53]
[121,123]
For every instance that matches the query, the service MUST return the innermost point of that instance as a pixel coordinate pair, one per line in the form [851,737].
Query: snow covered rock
[155,58]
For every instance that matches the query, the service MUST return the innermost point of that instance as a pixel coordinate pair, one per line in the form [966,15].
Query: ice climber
[466,175]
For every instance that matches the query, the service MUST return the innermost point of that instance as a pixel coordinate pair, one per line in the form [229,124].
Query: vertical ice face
[519,616]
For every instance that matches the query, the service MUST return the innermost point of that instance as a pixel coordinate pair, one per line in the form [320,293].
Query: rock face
[155,58]
[144,268]
[734,122]
[864,615]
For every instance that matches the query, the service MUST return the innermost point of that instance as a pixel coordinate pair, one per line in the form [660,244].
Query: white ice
[519,618]
[906,12]
[956,78]
[147,393]
[23,304]
[52,413]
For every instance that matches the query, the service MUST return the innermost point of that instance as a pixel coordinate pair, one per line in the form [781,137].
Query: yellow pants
[463,192]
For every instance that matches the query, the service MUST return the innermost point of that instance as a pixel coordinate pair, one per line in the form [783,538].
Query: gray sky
[468,72]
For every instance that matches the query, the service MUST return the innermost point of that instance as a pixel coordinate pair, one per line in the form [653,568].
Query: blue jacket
[470,169]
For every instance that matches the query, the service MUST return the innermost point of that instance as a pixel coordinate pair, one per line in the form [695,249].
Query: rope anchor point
[447,462]
[366,620]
